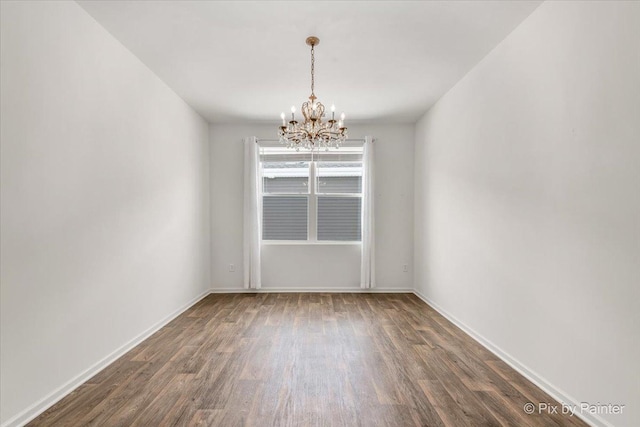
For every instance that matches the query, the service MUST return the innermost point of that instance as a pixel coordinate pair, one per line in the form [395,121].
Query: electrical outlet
[232,268]
[405,268]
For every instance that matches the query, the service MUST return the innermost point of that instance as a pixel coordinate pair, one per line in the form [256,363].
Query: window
[339,192]
[285,199]
[309,197]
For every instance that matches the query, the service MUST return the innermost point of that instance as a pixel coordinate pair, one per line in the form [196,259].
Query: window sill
[307,242]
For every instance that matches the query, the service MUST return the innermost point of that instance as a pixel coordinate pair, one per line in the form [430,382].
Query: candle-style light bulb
[333,112]
[282,117]
[293,112]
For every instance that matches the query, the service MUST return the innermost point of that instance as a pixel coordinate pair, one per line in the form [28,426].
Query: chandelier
[313,132]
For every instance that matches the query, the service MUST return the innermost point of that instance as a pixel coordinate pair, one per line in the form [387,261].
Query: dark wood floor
[306,360]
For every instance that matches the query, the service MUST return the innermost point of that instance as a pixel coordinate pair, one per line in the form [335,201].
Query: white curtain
[252,210]
[367,265]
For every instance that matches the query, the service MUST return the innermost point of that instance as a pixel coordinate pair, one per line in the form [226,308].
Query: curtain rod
[258,140]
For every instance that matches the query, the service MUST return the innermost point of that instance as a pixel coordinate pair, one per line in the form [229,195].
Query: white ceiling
[247,60]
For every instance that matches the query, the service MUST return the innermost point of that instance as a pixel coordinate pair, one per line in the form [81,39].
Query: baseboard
[528,373]
[42,405]
[311,290]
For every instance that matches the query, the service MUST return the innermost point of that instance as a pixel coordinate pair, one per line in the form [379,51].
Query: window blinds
[339,218]
[284,217]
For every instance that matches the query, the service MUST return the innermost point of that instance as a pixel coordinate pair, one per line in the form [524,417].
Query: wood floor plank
[295,359]
[450,413]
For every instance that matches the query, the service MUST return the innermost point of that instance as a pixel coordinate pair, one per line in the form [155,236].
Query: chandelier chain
[313,62]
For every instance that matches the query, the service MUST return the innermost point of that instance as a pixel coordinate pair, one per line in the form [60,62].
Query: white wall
[298,266]
[528,202]
[104,201]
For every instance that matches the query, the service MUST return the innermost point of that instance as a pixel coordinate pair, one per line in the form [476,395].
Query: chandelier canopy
[314,132]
